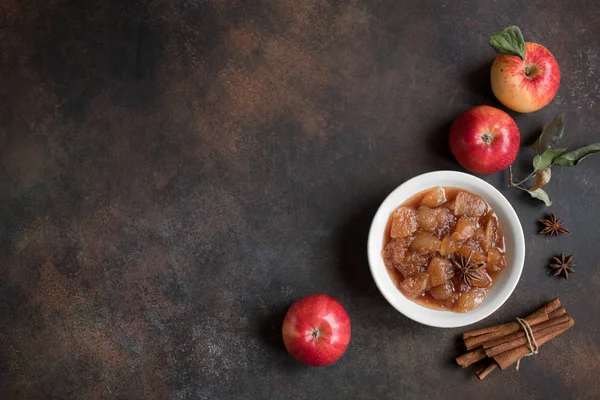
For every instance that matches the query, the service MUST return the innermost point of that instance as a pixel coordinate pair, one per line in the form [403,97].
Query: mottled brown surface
[174,174]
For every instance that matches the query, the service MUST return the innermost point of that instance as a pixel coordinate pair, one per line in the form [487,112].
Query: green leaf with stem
[546,159]
[550,134]
[547,156]
[510,41]
[576,156]
[541,195]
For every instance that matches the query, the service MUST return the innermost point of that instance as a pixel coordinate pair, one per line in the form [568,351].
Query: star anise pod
[563,265]
[467,269]
[553,226]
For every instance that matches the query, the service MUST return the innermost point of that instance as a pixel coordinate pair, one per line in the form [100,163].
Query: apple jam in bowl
[446,249]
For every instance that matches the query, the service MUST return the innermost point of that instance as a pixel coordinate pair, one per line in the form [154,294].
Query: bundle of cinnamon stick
[504,345]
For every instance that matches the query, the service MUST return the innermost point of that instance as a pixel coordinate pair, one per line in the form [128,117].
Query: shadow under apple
[477,81]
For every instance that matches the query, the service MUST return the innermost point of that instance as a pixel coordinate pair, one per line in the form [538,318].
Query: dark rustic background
[175,173]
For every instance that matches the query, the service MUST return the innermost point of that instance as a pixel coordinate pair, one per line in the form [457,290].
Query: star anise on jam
[553,226]
[467,269]
[563,265]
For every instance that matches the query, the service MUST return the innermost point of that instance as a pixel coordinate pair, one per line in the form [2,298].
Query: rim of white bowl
[505,283]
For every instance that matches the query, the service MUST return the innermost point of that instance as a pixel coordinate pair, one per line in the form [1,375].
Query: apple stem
[521,188]
[531,71]
[518,185]
[525,180]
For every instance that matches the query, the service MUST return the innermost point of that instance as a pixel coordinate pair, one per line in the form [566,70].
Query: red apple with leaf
[484,139]
[525,76]
[316,330]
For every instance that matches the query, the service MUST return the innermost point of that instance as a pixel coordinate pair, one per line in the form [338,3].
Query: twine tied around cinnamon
[533,346]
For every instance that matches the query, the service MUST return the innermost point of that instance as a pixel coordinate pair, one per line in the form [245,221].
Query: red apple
[525,82]
[484,139]
[316,330]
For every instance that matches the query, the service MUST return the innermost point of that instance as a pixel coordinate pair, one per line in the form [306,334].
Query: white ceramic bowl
[505,282]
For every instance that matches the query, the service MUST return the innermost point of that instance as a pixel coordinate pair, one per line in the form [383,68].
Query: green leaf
[541,178]
[541,195]
[576,156]
[510,41]
[546,159]
[550,134]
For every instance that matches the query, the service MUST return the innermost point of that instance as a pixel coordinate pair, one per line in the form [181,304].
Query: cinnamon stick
[501,330]
[471,357]
[512,344]
[485,371]
[553,305]
[557,313]
[502,344]
[520,334]
[477,337]
[508,358]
